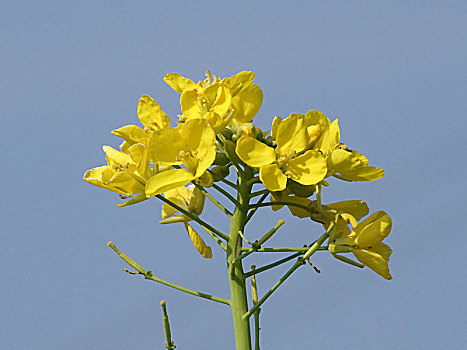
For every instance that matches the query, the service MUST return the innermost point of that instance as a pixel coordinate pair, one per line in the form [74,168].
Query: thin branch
[272,265]
[300,261]
[254,296]
[217,239]
[254,180]
[348,261]
[148,275]
[270,204]
[213,200]
[270,233]
[229,183]
[193,217]
[258,193]
[282,250]
[255,207]
[226,194]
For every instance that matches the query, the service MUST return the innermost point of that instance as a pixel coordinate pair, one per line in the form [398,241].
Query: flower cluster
[215,132]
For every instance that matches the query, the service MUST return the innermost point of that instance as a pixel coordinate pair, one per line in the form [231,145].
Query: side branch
[213,200]
[193,217]
[300,261]
[226,194]
[148,275]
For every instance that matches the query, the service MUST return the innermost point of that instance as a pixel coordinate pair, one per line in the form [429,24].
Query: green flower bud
[220,172]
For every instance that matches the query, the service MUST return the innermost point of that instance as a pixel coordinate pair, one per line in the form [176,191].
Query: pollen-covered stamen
[284,158]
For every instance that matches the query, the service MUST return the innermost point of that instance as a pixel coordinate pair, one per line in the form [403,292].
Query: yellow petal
[198,135]
[376,259]
[132,134]
[223,99]
[373,230]
[151,115]
[272,177]
[167,180]
[138,153]
[96,177]
[291,135]
[198,242]
[247,103]
[357,208]
[180,196]
[254,153]
[351,166]
[239,81]
[329,139]
[126,183]
[191,104]
[179,83]
[308,168]
[117,159]
[275,125]
[165,145]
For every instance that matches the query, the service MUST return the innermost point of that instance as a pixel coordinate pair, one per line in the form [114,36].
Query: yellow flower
[220,101]
[189,198]
[151,116]
[289,159]
[365,242]
[192,200]
[343,163]
[122,175]
[191,144]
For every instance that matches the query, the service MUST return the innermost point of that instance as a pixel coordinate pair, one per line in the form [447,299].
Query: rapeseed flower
[290,159]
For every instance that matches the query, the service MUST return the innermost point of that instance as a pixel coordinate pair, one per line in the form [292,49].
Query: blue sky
[393,72]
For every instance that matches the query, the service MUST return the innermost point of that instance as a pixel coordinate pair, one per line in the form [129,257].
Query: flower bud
[220,172]
[221,159]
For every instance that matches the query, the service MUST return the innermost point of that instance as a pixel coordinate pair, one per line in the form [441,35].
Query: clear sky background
[393,72]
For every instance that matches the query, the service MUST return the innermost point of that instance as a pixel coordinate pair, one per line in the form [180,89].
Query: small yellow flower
[189,198]
[365,242]
[221,102]
[343,163]
[151,116]
[191,144]
[121,175]
[289,159]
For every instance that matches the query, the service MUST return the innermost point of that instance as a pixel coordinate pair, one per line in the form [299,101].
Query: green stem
[270,204]
[238,302]
[213,200]
[217,239]
[254,296]
[270,233]
[226,194]
[148,275]
[253,210]
[272,265]
[259,193]
[300,261]
[281,250]
[193,217]
[169,344]
[229,183]
[348,261]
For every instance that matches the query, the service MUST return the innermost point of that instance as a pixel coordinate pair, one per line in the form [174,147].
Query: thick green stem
[238,302]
